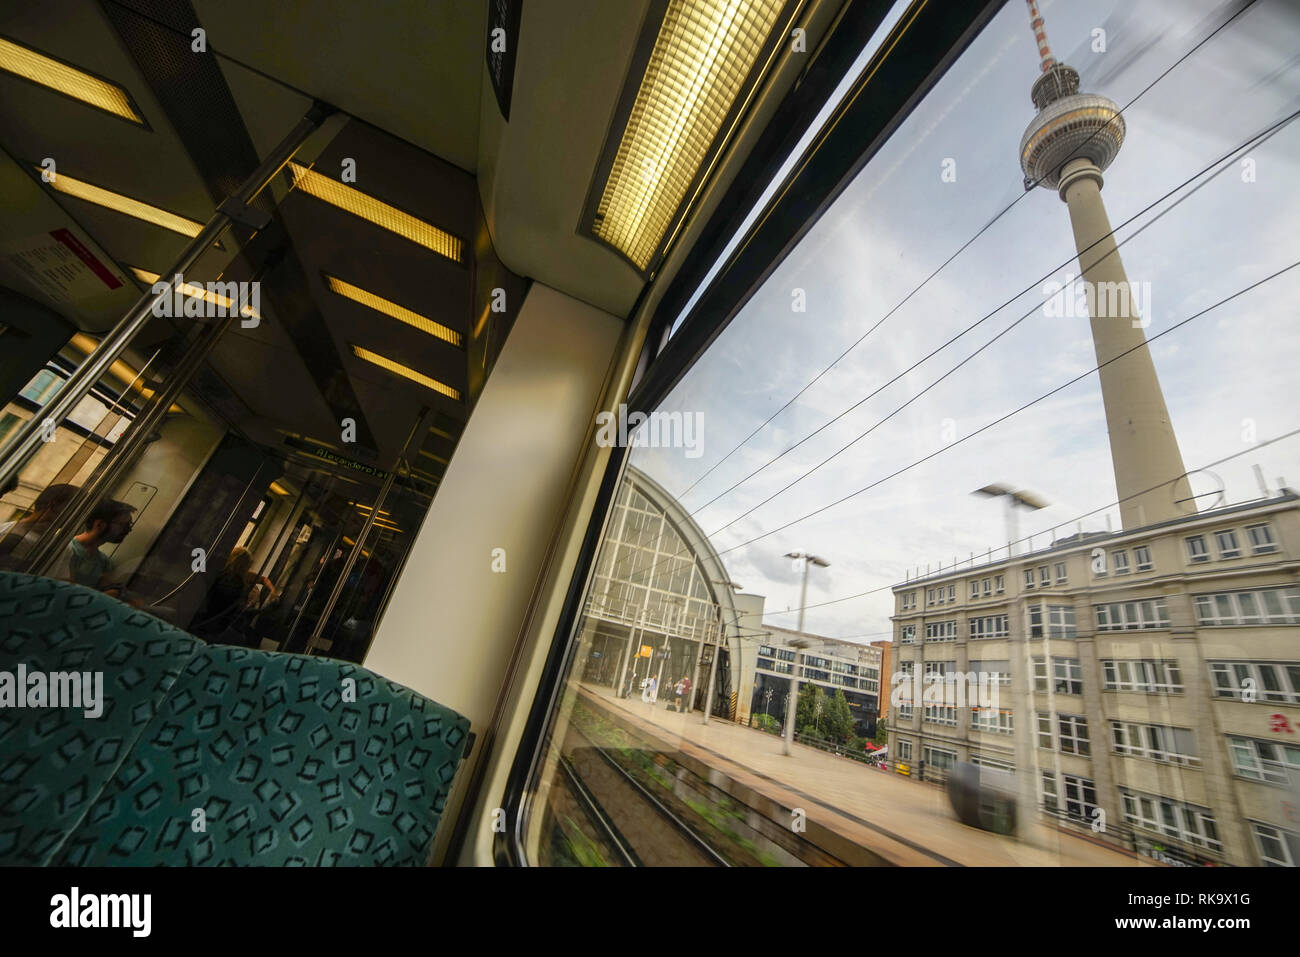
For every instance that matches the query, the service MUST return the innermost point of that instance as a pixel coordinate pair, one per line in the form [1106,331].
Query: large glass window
[854,398]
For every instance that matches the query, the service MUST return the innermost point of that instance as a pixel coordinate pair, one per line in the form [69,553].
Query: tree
[811,710]
[838,717]
[882,732]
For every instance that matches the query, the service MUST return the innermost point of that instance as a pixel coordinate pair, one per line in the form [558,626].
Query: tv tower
[1074,137]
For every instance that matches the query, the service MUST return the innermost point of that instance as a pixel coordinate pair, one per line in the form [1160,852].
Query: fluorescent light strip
[877,41]
[120,370]
[701,59]
[376,211]
[197,292]
[123,204]
[50,73]
[389,308]
[406,373]
[436,458]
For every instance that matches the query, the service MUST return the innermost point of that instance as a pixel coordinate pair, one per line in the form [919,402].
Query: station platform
[904,821]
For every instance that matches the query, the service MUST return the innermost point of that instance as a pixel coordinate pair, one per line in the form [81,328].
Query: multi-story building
[832,664]
[886,660]
[1149,680]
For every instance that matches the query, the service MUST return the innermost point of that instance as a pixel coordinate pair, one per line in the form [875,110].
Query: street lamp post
[1022,690]
[799,644]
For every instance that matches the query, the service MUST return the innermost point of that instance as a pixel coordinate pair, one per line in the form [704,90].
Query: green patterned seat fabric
[55,761]
[262,758]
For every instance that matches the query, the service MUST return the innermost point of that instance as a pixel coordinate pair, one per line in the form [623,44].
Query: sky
[1227,375]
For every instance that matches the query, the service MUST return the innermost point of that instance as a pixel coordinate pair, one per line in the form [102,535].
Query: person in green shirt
[107,524]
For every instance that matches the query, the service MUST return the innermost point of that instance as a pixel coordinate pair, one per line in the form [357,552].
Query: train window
[931,333]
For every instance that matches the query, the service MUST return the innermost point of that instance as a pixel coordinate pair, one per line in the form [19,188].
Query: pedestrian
[652,691]
[685,695]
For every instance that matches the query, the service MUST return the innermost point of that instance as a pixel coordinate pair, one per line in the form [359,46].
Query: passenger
[107,524]
[685,694]
[18,538]
[227,598]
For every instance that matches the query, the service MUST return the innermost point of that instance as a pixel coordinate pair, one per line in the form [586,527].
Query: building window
[1057,620]
[1142,555]
[992,720]
[999,672]
[986,587]
[1196,549]
[1072,731]
[992,764]
[1268,761]
[907,635]
[1132,615]
[1066,672]
[940,758]
[940,714]
[1148,675]
[974,588]
[1047,789]
[1272,606]
[1277,847]
[1120,558]
[1182,822]
[1080,797]
[904,749]
[929,596]
[905,712]
[1060,573]
[1155,741]
[1261,539]
[941,631]
[999,583]
[952,592]
[1256,680]
[990,626]
[1226,541]
[1044,576]
[1029,578]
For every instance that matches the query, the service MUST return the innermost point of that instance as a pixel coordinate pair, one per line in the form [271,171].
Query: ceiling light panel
[380,213]
[405,372]
[197,292]
[123,204]
[701,63]
[389,308]
[38,68]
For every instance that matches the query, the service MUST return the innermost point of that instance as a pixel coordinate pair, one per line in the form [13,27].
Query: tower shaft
[1149,472]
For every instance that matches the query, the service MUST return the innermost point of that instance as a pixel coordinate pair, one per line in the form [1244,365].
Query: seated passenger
[18,538]
[83,563]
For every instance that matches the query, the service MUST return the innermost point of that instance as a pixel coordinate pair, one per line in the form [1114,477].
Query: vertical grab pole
[28,439]
[419,429]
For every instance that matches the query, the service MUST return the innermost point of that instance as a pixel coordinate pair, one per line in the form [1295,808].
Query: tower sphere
[1070,125]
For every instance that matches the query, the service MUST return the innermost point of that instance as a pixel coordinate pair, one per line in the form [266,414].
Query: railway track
[638,827]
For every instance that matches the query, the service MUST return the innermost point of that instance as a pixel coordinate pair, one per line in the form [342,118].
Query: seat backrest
[250,757]
[55,761]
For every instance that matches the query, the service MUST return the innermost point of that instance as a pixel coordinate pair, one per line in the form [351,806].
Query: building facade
[1149,681]
[829,663]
